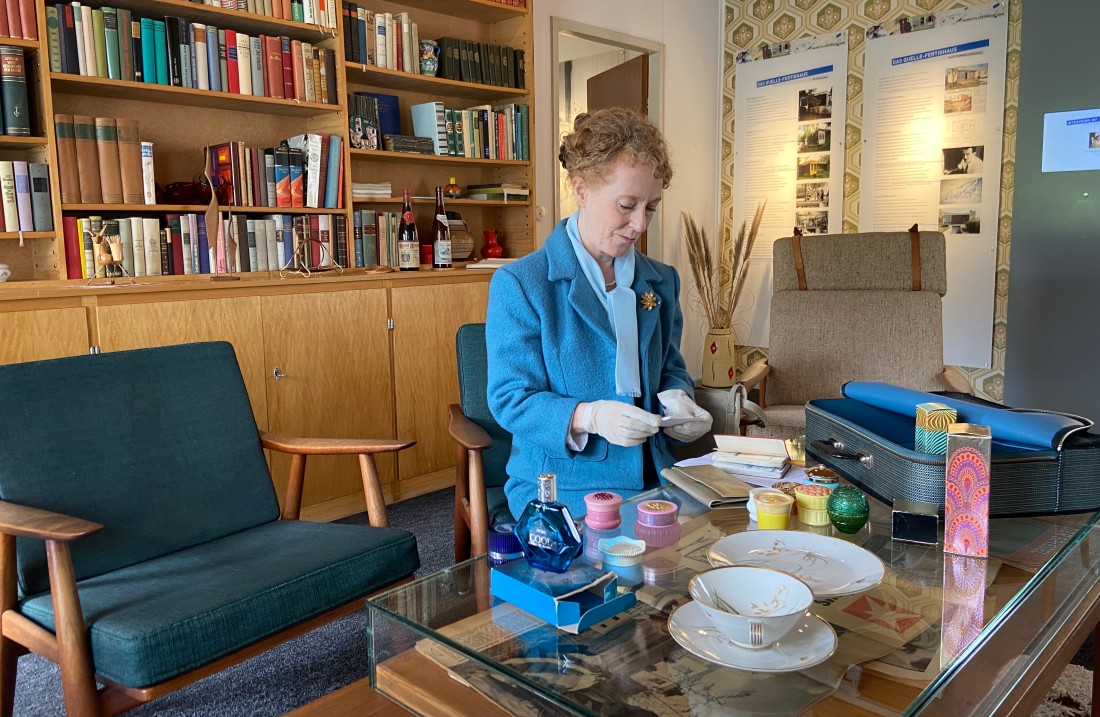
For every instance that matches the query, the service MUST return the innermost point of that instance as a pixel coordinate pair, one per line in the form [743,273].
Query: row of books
[311,12]
[112,43]
[513,3]
[381,39]
[16,116]
[25,195]
[306,170]
[182,244]
[485,131]
[103,160]
[482,62]
[18,19]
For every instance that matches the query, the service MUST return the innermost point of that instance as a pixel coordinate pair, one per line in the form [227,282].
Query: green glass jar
[848,509]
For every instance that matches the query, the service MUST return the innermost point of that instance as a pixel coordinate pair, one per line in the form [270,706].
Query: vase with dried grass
[719,284]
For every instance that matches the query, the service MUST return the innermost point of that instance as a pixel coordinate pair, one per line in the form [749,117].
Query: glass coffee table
[990,640]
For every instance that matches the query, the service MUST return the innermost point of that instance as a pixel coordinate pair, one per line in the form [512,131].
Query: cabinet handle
[279,375]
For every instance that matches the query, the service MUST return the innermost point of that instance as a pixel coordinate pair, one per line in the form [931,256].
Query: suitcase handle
[835,449]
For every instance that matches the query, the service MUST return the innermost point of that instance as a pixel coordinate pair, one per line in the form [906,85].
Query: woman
[583,335]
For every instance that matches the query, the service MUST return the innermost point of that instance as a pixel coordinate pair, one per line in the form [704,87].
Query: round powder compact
[603,510]
[657,512]
[621,551]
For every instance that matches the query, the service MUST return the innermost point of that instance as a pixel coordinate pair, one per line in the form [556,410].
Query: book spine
[201,56]
[53,38]
[148,182]
[23,195]
[298,69]
[160,67]
[86,60]
[137,239]
[233,75]
[99,43]
[307,73]
[70,62]
[171,50]
[332,175]
[110,39]
[129,156]
[28,20]
[255,52]
[137,52]
[297,195]
[204,247]
[286,64]
[125,44]
[213,64]
[166,258]
[110,175]
[74,252]
[223,61]
[13,92]
[40,197]
[125,235]
[282,176]
[244,63]
[175,233]
[87,159]
[8,196]
[186,42]
[66,158]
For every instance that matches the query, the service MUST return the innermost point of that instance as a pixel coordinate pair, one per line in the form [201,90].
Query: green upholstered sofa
[141,540]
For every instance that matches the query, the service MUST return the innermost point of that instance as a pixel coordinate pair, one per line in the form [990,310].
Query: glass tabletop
[928,639]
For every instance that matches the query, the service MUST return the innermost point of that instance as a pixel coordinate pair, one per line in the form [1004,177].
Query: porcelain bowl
[753,607]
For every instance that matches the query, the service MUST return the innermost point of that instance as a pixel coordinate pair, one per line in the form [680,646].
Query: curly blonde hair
[599,138]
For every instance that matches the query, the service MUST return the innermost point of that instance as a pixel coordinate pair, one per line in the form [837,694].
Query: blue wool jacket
[551,346]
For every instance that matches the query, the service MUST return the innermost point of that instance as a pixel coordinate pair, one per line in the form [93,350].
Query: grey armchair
[851,306]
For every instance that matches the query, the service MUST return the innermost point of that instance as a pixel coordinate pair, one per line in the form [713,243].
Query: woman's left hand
[678,404]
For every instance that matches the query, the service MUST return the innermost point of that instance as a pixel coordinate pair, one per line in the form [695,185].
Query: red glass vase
[492,248]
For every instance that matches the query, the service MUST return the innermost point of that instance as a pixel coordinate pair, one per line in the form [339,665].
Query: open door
[625,85]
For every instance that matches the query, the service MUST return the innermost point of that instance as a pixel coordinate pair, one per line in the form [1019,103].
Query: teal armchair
[142,545]
[482,448]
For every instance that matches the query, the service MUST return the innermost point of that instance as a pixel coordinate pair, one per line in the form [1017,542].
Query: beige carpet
[1071,695]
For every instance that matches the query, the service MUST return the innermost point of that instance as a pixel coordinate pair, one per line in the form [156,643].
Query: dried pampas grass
[719,285]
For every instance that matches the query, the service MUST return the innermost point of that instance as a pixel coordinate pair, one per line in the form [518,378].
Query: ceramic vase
[429,57]
[492,248]
[719,359]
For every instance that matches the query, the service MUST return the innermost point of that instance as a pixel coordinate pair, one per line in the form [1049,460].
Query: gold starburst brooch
[650,301]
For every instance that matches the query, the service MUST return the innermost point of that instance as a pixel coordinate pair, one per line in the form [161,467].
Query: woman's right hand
[620,423]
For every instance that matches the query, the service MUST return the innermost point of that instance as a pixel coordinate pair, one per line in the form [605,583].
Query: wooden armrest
[330,446]
[365,448]
[954,380]
[27,522]
[469,435]
[754,374]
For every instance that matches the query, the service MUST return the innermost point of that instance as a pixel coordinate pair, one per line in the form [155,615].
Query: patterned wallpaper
[749,24]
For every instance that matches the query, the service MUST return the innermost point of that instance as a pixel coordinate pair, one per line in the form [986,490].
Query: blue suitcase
[1042,462]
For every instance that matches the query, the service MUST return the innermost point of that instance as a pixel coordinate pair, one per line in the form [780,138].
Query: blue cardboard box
[571,601]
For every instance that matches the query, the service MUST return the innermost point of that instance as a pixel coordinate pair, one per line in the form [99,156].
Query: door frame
[614,40]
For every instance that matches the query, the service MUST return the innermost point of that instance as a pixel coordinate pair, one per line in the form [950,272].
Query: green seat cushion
[499,512]
[158,619]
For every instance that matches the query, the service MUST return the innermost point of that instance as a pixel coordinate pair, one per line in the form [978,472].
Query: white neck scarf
[620,303]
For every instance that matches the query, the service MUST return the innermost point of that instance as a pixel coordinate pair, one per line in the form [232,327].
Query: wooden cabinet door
[164,323]
[426,319]
[332,352]
[39,334]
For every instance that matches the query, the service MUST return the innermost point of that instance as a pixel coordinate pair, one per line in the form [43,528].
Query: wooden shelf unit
[355,348]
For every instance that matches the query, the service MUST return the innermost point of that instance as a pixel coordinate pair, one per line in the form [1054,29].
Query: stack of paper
[760,457]
[365,190]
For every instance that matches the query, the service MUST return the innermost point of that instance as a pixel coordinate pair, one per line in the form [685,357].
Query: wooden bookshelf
[355,347]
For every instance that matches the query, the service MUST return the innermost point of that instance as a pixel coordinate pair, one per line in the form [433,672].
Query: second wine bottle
[441,234]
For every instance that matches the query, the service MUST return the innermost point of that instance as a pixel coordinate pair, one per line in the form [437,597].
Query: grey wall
[1053,337]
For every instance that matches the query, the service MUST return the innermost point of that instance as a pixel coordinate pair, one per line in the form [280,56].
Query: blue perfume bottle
[546,531]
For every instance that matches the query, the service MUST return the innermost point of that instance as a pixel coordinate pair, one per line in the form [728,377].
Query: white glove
[621,423]
[679,405]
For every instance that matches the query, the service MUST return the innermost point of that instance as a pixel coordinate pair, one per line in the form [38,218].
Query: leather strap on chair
[799,268]
[914,243]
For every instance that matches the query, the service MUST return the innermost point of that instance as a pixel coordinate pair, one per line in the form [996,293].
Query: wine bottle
[408,243]
[546,531]
[441,234]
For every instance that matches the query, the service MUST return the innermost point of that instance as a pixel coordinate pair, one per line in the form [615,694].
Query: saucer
[809,643]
